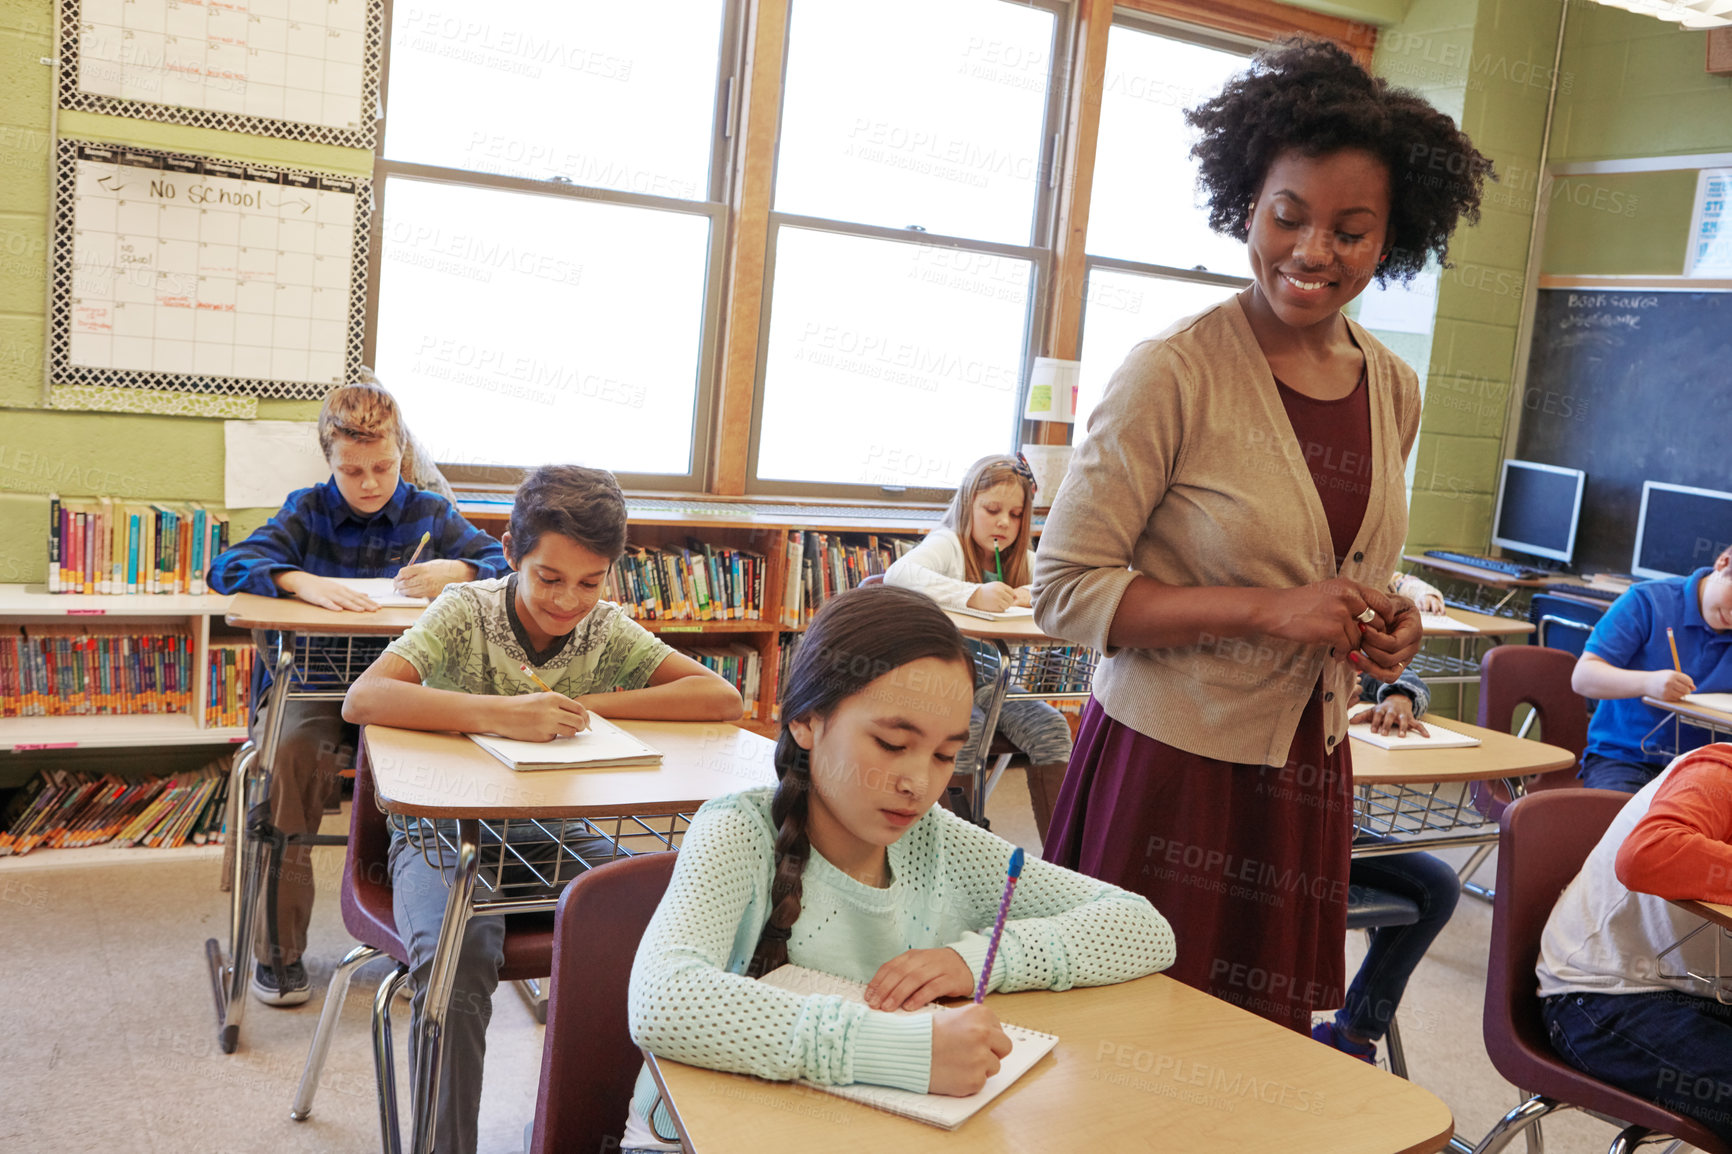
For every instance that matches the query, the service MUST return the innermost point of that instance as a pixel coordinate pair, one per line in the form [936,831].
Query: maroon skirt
[1248,863]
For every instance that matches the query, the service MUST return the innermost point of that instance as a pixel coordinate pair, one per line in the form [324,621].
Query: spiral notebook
[941,1110]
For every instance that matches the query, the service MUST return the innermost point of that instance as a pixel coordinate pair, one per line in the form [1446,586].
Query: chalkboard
[1630,386]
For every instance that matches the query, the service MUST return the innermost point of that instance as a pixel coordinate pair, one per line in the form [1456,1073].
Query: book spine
[54,542]
[198,555]
[132,550]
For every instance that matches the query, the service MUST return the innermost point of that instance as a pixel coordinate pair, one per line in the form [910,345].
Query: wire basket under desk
[525,856]
[323,664]
[1404,812]
[1056,670]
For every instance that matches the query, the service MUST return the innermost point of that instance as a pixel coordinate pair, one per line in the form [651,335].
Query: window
[548,254]
[909,241]
[1152,257]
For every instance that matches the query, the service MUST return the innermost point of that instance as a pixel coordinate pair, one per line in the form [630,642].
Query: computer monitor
[1537,509]
[1680,529]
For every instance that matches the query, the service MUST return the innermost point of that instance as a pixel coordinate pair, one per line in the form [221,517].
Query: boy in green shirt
[459,667]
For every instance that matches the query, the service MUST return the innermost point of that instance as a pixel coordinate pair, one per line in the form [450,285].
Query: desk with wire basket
[1031,667]
[312,654]
[419,777]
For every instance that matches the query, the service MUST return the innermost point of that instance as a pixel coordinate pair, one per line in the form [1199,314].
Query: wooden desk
[281,628]
[1397,792]
[1002,634]
[1146,1065]
[445,775]
[1715,721]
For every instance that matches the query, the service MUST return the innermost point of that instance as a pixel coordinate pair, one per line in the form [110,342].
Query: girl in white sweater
[848,867]
[981,559]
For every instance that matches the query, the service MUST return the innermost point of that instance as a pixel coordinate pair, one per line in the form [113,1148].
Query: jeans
[1396,950]
[1672,1048]
[1608,773]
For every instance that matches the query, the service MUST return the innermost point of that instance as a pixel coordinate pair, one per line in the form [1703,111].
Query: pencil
[1673,642]
[999,557]
[425,537]
[545,687]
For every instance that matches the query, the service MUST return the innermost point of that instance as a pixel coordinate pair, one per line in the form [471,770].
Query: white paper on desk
[603,745]
[1440,738]
[943,1110]
[1443,623]
[265,461]
[1010,614]
[379,589]
[1720,701]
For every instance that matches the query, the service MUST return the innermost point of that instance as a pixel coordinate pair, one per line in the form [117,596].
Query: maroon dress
[1247,862]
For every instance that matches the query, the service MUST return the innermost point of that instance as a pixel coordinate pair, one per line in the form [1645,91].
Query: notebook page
[1011,614]
[603,744]
[943,1110]
[1440,738]
[1720,701]
[1443,623]
[379,589]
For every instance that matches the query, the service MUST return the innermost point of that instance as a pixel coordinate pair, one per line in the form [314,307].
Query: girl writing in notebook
[981,559]
[848,867]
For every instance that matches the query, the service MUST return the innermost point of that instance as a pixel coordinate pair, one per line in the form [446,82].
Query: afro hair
[1310,95]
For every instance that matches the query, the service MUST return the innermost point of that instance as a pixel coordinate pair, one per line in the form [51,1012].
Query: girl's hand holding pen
[993,597]
[967,1045]
[539,716]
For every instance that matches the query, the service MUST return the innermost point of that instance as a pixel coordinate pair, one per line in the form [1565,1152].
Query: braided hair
[858,637]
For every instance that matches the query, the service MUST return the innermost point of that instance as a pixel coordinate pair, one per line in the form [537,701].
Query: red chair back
[1543,839]
[1516,675]
[589,1063]
[368,913]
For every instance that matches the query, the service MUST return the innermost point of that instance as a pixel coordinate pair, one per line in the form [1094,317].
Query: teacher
[1229,524]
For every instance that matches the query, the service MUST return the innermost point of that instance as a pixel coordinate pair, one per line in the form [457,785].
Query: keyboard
[1592,592]
[1490,564]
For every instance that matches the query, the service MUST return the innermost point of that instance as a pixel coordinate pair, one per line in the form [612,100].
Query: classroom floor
[108,1040]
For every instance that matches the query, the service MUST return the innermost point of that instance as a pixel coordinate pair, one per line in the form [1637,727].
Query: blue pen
[1013,872]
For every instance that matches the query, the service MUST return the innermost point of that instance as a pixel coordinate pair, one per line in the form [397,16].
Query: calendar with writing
[187,272]
[304,69]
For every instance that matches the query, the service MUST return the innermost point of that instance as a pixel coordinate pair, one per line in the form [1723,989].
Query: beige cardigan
[1191,474]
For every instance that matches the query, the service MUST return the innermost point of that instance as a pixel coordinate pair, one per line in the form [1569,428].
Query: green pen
[999,558]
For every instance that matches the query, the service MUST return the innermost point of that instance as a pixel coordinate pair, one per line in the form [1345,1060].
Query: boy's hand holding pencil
[426,578]
[539,716]
[1670,684]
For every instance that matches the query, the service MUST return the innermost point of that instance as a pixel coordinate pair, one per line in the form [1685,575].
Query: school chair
[1371,909]
[1543,839]
[1563,622]
[369,917]
[1511,676]
[589,1063]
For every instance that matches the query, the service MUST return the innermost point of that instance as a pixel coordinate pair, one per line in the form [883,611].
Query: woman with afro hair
[1228,527]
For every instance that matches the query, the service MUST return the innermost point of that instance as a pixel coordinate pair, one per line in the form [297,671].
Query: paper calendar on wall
[303,69]
[183,272]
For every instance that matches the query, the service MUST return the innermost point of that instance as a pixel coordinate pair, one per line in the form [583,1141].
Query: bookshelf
[33,604]
[761,527]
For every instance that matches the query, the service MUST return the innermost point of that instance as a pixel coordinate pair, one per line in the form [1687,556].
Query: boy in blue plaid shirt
[366,521]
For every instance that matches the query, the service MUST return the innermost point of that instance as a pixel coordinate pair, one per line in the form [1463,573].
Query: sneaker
[296,988]
[1326,1033]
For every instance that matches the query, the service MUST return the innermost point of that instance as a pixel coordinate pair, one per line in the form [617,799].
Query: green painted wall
[76,453]
[1637,87]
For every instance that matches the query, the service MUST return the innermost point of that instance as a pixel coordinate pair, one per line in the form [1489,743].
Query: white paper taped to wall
[265,461]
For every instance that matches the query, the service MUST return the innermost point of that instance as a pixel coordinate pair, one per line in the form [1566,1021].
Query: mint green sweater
[691,1001]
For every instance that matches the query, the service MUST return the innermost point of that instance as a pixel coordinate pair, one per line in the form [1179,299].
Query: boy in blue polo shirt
[1629,656]
[366,521]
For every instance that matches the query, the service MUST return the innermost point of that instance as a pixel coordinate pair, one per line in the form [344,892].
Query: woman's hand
[1389,643]
[1394,714]
[916,977]
[429,577]
[1328,613]
[967,1046]
[538,716]
[994,597]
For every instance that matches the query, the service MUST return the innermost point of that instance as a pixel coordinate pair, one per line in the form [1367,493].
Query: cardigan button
[1330,696]
[1359,556]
